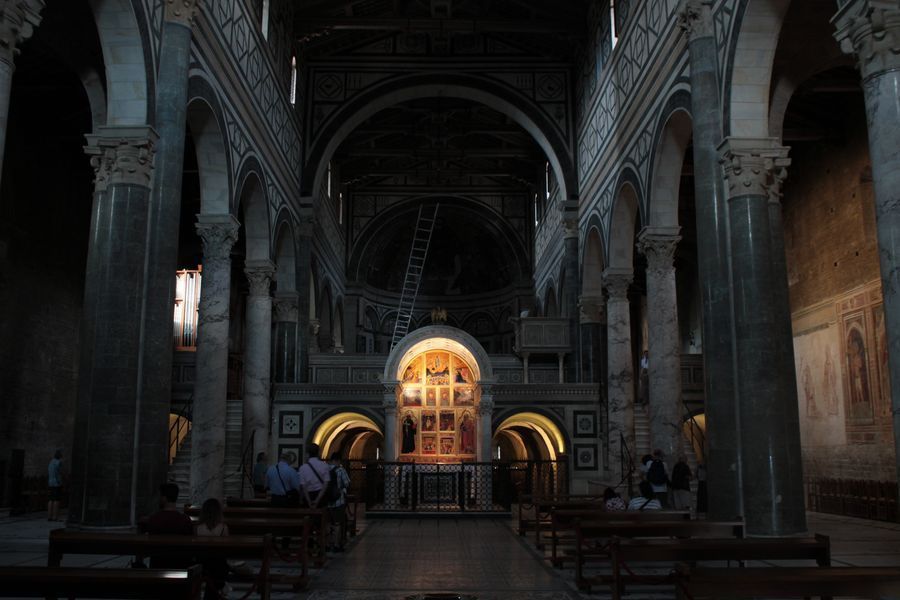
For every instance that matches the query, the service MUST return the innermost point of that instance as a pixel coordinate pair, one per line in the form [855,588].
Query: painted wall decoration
[437,399]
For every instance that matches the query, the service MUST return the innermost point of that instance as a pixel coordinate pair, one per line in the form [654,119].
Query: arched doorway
[354,435]
[534,447]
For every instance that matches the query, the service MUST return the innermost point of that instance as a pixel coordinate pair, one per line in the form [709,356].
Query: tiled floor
[396,559]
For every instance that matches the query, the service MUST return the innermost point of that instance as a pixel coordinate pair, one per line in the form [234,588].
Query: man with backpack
[658,477]
[336,496]
[314,477]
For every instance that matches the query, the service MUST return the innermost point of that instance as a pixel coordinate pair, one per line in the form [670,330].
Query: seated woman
[212,523]
[612,501]
[646,500]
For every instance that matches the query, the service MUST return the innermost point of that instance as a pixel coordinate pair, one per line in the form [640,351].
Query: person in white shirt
[645,501]
[314,476]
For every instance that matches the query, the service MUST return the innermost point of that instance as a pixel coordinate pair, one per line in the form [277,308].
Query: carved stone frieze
[695,18]
[870,29]
[259,275]
[122,155]
[753,165]
[18,18]
[182,11]
[218,234]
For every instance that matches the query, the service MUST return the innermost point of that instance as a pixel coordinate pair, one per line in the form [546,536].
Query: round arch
[625,220]
[332,425]
[285,261]
[751,62]
[128,80]
[674,137]
[592,264]
[210,145]
[255,221]
[551,308]
[394,90]
[544,428]
[439,337]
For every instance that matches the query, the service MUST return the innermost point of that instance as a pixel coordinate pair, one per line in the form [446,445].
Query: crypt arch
[355,434]
[531,433]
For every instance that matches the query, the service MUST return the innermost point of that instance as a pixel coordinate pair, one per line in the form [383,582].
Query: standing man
[681,485]
[283,482]
[259,475]
[337,509]
[314,476]
[658,478]
[54,485]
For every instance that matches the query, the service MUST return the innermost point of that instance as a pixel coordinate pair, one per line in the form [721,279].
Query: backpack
[332,492]
[657,473]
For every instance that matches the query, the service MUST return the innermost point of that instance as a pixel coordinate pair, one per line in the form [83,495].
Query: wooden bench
[787,582]
[69,582]
[588,532]
[624,551]
[352,504]
[564,520]
[543,513]
[188,548]
[279,521]
[527,504]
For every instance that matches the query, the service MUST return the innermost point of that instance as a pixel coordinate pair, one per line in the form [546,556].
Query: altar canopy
[437,402]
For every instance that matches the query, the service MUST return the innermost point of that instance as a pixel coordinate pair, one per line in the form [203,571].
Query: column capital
[486,404]
[218,234]
[753,165]
[592,309]
[695,19]
[182,11]
[616,282]
[389,399]
[122,155]
[658,245]
[870,29]
[18,18]
[259,274]
[285,307]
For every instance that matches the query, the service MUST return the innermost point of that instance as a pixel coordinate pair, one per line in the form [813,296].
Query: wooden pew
[594,531]
[69,582]
[189,548]
[279,521]
[233,502]
[527,504]
[564,519]
[623,551]
[787,582]
[543,512]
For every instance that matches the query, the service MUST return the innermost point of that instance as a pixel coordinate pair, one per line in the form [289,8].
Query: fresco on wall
[818,394]
[881,360]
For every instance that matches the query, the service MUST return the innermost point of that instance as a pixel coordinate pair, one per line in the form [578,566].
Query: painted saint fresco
[438,395]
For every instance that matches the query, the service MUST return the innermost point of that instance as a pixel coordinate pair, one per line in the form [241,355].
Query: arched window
[613,30]
[546,180]
[293,80]
[328,180]
[536,211]
[264,23]
[340,208]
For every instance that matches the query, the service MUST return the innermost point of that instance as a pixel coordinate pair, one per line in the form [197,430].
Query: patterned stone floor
[400,559]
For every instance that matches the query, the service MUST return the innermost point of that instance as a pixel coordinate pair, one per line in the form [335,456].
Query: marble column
[770,455]
[389,404]
[592,316]
[18,18]
[658,245]
[620,372]
[104,459]
[257,355]
[303,252]
[285,354]
[570,285]
[218,234]
[871,30]
[162,247]
[713,266]
[353,315]
[485,411]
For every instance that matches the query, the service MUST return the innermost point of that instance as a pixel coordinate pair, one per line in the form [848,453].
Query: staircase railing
[184,416]
[414,268]
[246,465]
[696,435]
[626,465]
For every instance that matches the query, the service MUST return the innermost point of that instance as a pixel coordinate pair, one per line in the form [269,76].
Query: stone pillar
[303,252]
[104,459]
[714,269]
[389,404]
[218,233]
[353,317]
[770,456]
[570,285]
[664,348]
[18,18]
[592,315]
[257,355]
[485,437]
[620,386]
[871,30]
[285,310]
[162,247]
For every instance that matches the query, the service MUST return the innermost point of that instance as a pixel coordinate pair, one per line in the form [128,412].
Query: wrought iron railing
[626,466]
[454,487]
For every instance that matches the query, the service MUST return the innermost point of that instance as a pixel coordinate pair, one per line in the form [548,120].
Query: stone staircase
[642,445]
[180,469]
